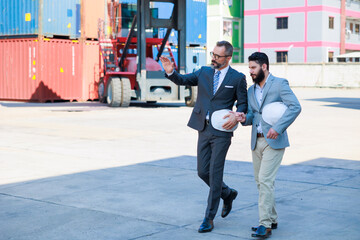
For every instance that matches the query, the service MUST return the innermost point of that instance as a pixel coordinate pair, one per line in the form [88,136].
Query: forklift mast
[145,20]
[128,75]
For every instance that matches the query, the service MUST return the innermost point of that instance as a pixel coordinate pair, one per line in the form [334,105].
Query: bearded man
[268,139]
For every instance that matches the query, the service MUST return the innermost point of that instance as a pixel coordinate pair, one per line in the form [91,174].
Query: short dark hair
[228,47]
[260,58]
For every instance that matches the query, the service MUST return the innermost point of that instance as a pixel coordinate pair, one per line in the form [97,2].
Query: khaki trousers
[266,162]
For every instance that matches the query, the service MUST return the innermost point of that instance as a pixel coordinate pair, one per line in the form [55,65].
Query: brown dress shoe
[228,203]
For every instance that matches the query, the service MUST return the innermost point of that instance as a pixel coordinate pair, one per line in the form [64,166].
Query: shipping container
[91,12]
[53,18]
[48,69]
[195,57]
[196,18]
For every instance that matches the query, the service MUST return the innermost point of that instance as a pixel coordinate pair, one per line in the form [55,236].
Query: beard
[258,78]
[216,65]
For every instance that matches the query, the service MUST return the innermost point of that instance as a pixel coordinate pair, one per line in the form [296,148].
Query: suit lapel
[253,96]
[224,82]
[266,89]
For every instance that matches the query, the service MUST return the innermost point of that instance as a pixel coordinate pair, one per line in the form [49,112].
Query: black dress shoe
[262,232]
[228,203]
[273,226]
[206,226]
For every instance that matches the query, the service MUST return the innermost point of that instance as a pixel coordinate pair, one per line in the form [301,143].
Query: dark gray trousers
[211,153]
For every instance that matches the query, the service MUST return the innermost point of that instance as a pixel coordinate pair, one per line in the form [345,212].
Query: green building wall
[226,23]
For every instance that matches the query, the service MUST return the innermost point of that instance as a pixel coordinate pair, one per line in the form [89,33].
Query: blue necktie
[216,81]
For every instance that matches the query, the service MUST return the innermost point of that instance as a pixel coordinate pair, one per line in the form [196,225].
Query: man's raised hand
[167,65]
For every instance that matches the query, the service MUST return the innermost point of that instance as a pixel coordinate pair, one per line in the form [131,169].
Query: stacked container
[196,21]
[49,49]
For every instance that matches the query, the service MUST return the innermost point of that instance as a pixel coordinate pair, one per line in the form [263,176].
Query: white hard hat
[217,120]
[272,112]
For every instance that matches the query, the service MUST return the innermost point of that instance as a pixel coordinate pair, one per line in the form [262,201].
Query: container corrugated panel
[91,76]
[61,69]
[61,17]
[19,17]
[22,17]
[18,69]
[196,22]
[196,18]
[91,12]
[47,70]
[195,57]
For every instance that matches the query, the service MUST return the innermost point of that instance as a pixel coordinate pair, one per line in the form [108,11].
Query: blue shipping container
[59,17]
[195,57]
[196,18]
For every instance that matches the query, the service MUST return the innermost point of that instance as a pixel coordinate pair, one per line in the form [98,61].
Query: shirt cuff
[171,73]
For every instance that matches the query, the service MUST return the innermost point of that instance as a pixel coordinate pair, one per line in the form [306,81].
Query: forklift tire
[101,91]
[191,100]
[125,92]
[114,92]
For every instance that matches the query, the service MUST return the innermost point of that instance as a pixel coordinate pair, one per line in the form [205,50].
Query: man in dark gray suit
[219,87]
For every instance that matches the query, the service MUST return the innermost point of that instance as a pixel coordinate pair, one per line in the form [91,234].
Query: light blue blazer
[275,90]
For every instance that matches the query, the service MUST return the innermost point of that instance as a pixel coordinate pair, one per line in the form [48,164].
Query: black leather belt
[260,135]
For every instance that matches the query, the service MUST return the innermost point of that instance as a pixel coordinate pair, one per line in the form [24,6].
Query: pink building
[302,30]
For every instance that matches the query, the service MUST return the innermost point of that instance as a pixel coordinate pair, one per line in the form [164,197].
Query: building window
[282,23]
[357,28]
[331,22]
[331,56]
[281,56]
[351,27]
[227,28]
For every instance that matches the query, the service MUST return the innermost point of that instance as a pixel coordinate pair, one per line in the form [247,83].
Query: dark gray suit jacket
[232,89]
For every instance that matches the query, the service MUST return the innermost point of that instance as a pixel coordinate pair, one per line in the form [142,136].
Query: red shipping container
[48,69]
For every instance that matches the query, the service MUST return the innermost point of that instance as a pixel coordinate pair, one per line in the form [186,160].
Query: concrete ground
[87,171]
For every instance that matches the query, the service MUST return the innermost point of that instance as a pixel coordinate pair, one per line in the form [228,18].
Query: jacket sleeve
[293,108]
[190,79]
[241,95]
[249,117]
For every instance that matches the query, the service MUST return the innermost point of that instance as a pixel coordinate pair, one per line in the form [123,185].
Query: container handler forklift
[128,69]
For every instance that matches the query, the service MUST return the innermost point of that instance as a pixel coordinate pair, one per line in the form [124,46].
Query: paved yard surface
[87,171]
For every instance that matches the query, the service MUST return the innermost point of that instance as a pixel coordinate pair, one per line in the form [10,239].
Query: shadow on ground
[165,199]
[352,103]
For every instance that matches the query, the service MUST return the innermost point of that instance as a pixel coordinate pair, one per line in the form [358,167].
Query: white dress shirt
[259,97]
[223,73]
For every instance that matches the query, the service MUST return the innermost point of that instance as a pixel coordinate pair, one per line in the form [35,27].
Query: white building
[302,30]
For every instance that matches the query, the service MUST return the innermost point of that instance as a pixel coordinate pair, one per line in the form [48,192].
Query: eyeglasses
[213,55]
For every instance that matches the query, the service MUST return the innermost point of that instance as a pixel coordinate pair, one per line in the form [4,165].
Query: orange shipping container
[91,12]
[48,69]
